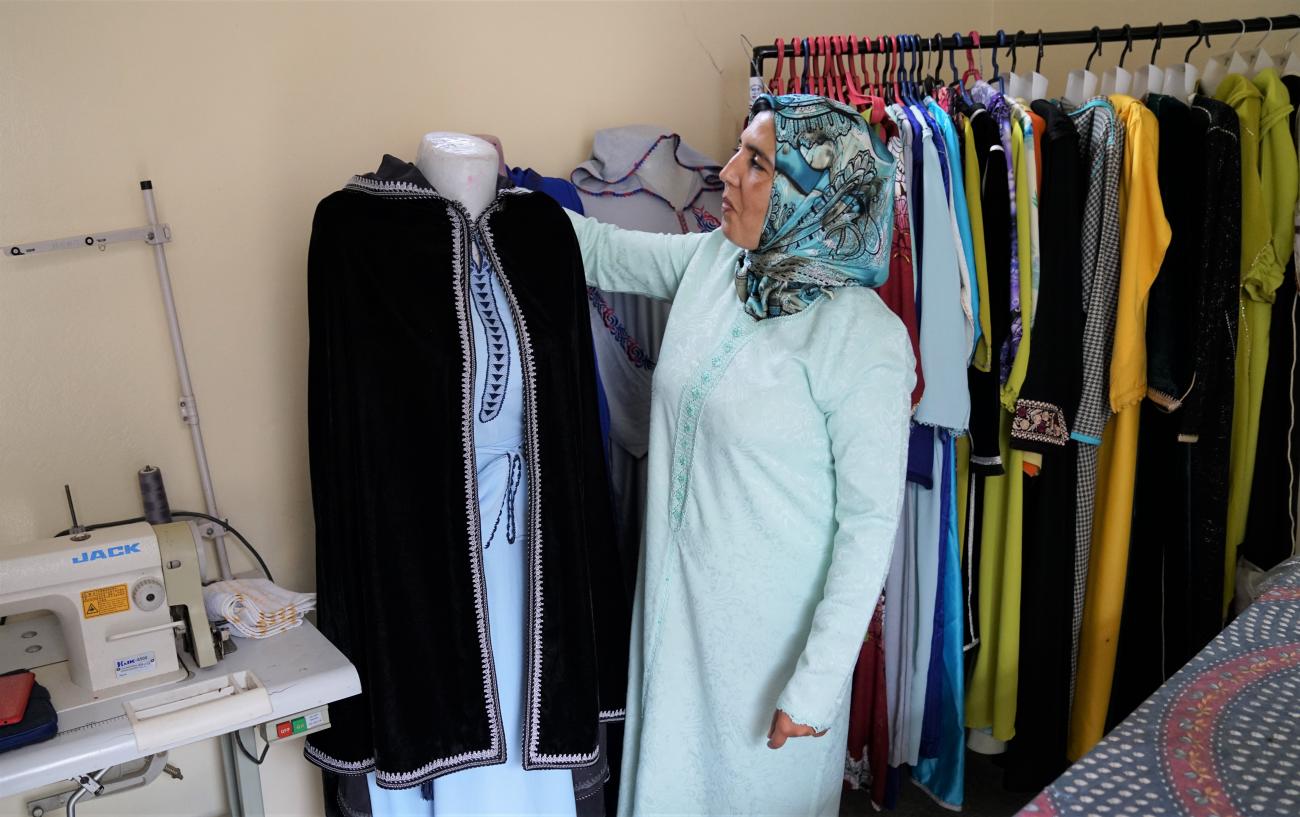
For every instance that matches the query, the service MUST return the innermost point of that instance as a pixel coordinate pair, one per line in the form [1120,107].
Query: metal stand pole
[243,778]
[189,407]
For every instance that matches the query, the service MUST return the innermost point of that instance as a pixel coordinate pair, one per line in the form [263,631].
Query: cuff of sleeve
[1038,425]
[797,716]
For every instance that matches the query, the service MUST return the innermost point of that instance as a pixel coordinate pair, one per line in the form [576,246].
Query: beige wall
[244,116]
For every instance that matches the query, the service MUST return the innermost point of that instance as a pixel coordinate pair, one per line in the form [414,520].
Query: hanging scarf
[829,219]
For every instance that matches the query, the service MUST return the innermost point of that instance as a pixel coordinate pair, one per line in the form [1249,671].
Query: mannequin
[460,167]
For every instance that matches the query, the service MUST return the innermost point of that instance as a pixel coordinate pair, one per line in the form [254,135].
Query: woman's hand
[783,729]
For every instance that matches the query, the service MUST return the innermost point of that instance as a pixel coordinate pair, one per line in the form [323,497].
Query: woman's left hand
[783,729]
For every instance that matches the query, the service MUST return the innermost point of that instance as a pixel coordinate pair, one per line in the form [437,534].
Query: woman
[777,452]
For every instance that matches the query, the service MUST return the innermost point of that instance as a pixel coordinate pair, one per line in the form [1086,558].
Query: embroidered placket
[692,402]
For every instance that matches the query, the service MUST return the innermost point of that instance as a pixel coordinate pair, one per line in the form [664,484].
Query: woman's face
[748,180]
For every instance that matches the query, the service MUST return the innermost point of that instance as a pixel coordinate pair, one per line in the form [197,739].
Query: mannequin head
[748,182]
[460,167]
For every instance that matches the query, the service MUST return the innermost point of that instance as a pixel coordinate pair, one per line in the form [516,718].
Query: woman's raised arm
[618,260]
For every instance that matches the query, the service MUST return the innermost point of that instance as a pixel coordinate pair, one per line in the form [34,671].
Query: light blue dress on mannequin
[499,448]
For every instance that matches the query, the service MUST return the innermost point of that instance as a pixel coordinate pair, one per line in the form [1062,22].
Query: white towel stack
[256,608]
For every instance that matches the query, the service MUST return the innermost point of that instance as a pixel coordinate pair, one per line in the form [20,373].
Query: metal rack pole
[1193,28]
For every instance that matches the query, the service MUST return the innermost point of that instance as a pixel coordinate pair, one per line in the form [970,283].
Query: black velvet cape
[398,544]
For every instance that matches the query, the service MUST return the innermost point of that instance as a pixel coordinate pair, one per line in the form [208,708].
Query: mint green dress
[776,467]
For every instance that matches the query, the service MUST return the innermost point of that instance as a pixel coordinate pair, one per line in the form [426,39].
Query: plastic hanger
[1287,58]
[918,77]
[801,49]
[1038,82]
[848,74]
[774,87]
[1017,86]
[876,87]
[1081,84]
[1116,80]
[1218,67]
[792,83]
[997,71]
[828,63]
[824,68]
[875,105]
[971,71]
[841,82]
[1150,78]
[1180,80]
[829,74]
[915,67]
[814,71]
[1258,58]
[903,42]
[970,61]
[936,63]
[852,85]
[952,62]
[898,95]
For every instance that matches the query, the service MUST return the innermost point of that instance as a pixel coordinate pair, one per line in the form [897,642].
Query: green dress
[776,468]
[1267,172]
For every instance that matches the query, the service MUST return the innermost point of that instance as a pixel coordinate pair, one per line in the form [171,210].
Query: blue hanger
[961,81]
[905,73]
[918,77]
[952,60]
[997,72]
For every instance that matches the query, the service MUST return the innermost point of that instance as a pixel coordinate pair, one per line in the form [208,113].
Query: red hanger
[852,85]
[792,84]
[873,104]
[812,65]
[837,78]
[876,87]
[826,65]
[898,95]
[815,73]
[794,72]
[847,47]
[820,67]
[971,70]
[774,87]
[866,74]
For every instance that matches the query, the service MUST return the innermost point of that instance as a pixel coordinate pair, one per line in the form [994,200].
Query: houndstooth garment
[1101,145]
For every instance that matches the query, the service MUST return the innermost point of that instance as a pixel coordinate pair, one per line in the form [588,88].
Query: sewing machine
[119,595]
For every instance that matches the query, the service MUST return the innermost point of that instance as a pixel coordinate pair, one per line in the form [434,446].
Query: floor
[985,796]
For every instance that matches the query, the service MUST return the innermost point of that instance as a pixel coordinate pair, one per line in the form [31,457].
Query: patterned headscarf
[829,221]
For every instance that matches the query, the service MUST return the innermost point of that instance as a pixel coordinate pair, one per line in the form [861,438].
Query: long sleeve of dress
[867,421]
[618,260]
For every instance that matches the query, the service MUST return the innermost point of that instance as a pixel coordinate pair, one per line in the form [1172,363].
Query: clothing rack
[1039,39]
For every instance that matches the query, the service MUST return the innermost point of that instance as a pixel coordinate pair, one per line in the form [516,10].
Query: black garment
[1194,583]
[995,205]
[1037,754]
[1273,489]
[1161,498]
[398,555]
[1174,583]
[1171,317]
[1050,392]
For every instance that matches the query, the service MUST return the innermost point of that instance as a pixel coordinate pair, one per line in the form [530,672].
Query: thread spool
[154,496]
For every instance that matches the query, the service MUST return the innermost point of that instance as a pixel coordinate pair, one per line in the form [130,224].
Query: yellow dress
[991,701]
[1260,276]
[1144,237]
